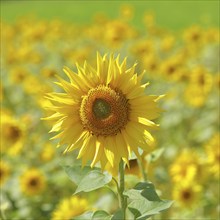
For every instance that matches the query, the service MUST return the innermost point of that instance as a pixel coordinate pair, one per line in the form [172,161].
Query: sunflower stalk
[122,199]
[143,172]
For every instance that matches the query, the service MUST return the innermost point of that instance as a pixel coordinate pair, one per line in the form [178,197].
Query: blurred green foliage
[170,14]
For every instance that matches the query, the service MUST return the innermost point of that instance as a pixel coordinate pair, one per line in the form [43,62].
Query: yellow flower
[34,86]
[186,167]
[4,171]
[116,32]
[194,95]
[202,78]
[127,12]
[143,48]
[187,194]
[212,35]
[193,35]
[200,84]
[69,208]
[216,81]
[104,112]
[167,43]
[213,155]
[32,182]
[149,19]
[18,74]
[172,68]
[48,72]
[12,134]
[151,64]
[47,153]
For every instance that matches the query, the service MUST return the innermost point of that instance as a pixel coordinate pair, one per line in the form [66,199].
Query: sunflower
[4,171]
[47,152]
[213,155]
[32,182]
[186,168]
[187,194]
[12,134]
[69,208]
[104,112]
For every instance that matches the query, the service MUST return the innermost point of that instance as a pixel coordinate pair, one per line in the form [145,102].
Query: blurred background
[176,42]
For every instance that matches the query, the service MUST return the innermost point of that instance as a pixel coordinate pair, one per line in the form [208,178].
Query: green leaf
[148,191]
[155,155]
[84,216]
[101,215]
[145,202]
[94,179]
[118,215]
[77,173]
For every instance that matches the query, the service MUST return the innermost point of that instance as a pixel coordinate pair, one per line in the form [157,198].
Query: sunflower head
[68,208]
[32,182]
[187,194]
[104,112]
[12,135]
[5,171]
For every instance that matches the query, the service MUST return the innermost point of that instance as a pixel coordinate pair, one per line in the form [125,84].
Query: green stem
[2,215]
[143,172]
[122,199]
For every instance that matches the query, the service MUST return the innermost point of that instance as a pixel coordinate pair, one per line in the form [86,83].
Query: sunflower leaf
[77,173]
[144,201]
[155,155]
[117,215]
[94,179]
[84,216]
[101,215]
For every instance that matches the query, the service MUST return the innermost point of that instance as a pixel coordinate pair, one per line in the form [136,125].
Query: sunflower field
[110,110]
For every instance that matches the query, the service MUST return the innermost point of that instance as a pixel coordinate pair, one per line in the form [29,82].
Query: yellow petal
[98,152]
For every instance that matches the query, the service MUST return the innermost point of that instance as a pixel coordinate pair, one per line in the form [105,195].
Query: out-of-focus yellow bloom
[34,86]
[202,78]
[47,153]
[172,68]
[36,32]
[12,134]
[149,19]
[78,55]
[69,208]
[213,155]
[32,182]
[216,80]
[194,96]
[116,32]
[151,64]
[186,167]
[5,170]
[200,84]
[194,35]
[167,43]
[212,35]
[48,72]
[127,12]
[18,74]
[187,194]
[143,48]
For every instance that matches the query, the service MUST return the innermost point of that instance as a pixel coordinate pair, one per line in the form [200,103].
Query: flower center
[11,132]
[33,182]
[101,108]
[104,111]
